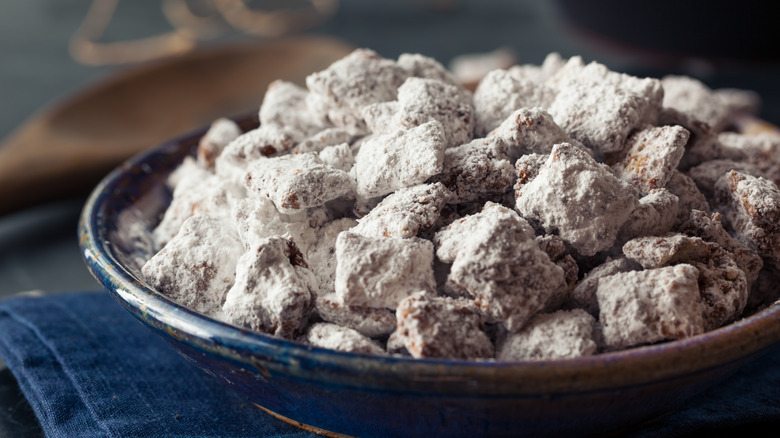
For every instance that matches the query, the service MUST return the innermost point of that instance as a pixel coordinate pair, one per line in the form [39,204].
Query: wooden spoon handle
[65,150]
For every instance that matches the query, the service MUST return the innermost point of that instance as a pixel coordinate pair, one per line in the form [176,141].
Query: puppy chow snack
[496,260]
[558,211]
[273,289]
[441,327]
[404,158]
[198,265]
[751,211]
[500,93]
[599,107]
[650,156]
[297,182]
[220,134]
[405,212]
[531,131]
[578,199]
[336,337]
[564,334]
[477,169]
[641,307]
[380,272]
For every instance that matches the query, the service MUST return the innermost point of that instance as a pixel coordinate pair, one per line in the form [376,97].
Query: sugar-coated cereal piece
[321,255]
[198,265]
[539,73]
[707,173]
[258,219]
[583,296]
[691,96]
[500,93]
[689,196]
[405,212]
[265,141]
[702,142]
[527,168]
[321,140]
[600,108]
[297,182]
[650,156]
[751,212]
[722,284]
[441,327]
[284,104]
[655,215]
[556,249]
[381,118]
[197,191]
[497,261]
[404,158]
[273,289]
[710,228]
[760,150]
[338,157]
[476,169]
[578,199]
[380,272]
[422,100]
[359,79]
[641,307]
[564,334]
[395,345]
[658,251]
[221,132]
[369,321]
[336,337]
[421,66]
[530,130]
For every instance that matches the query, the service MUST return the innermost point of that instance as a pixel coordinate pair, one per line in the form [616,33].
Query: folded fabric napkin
[89,369]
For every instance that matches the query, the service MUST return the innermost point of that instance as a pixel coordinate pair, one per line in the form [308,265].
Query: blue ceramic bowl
[365,395]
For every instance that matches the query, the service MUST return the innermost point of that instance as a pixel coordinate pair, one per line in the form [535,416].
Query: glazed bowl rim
[747,337]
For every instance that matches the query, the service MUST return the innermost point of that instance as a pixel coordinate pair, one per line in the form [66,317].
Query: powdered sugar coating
[369,321]
[655,215]
[273,289]
[578,199]
[338,157]
[221,132]
[689,196]
[440,327]
[706,174]
[650,157]
[420,66]
[321,140]
[751,212]
[380,272]
[710,228]
[658,251]
[600,108]
[336,337]
[564,334]
[404,158]
[476,169]
[641,307]
[405,212]
[422,100]
[258,219]
[498,262]
[530,131]
[691,96]
[583,296]
[297,182]
[500,93]
[359,79]
[197,266]
[284,105]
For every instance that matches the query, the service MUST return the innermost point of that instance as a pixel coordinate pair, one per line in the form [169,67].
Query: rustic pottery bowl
[363,395]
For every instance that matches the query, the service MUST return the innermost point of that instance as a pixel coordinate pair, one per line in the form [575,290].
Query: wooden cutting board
[66,149]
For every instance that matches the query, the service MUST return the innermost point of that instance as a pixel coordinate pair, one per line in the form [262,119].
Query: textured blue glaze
[392,396]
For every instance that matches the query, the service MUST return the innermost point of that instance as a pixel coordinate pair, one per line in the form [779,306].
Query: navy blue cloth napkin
[89,369]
